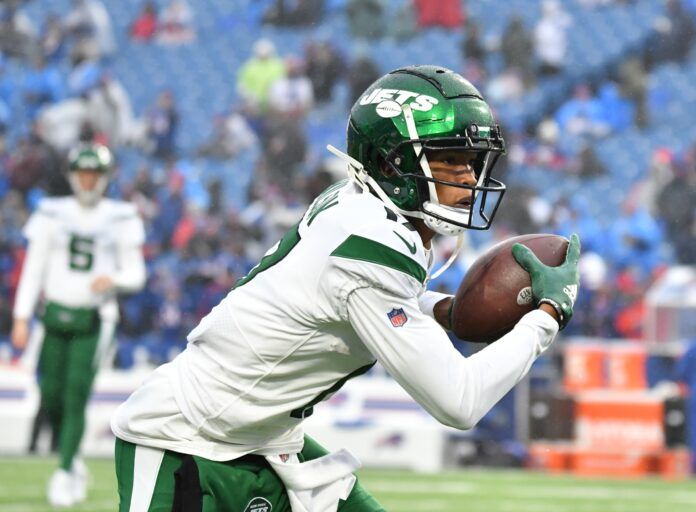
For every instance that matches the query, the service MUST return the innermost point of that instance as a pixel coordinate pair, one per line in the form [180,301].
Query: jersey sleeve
[129,225]
[41,223]
[371,259]
[429,299]
[415,350]
[38,232]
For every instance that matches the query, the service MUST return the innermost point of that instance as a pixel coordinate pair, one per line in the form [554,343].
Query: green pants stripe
[66,372]
[151,480]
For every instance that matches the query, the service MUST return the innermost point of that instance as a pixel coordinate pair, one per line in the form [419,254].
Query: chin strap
[450,260]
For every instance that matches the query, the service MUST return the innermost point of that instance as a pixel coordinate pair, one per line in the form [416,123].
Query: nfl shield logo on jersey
[397,317]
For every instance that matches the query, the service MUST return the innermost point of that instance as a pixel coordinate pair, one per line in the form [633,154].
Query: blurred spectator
[637,237]
[676,206]
[43,84]
[403,24]
[170,325]
[514,214]
[516,47]
[361,73]
[162,122]
[18,36]
[324,67]
[52,40]
[587,164]
[298,13]
[505,86]
[89,23]
[170,199]
[231,135]
[256,75]
[8,89]
[568,218]
[284,148]
[439,13]
[472,46]
[632,286]
[105,105]
[84,76]
[144,27]
[34,163]
[633,81]
[366,18]
[674,35]
[111,113]
[582,115]
[660,173]
[550,38]
[617,111]
[291,95]
[546,152]
[176,24]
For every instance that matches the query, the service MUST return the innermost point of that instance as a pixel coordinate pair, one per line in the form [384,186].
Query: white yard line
[588,493]
[27,507]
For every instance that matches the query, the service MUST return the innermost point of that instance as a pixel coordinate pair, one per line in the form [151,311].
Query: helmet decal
[389,101]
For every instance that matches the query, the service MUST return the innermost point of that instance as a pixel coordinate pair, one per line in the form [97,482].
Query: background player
[82,250]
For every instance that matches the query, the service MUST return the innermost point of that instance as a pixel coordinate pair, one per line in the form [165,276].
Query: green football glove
[556,286]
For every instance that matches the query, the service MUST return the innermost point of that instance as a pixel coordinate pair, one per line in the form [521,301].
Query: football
[496,291]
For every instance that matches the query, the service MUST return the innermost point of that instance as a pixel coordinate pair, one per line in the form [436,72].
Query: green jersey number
[81,253]
[274,255]
[326,200]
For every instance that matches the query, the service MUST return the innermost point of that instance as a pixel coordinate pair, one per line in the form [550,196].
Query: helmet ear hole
[385,168]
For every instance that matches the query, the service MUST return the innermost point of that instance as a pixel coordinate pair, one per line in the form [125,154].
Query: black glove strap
[557,307]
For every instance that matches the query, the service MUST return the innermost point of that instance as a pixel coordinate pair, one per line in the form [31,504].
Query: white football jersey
[337,293]
[72,245]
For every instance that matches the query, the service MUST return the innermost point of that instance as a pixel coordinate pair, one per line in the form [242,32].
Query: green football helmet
[415,110]
[93,157]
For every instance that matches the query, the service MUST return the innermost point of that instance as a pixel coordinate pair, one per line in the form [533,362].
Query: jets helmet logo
[389,101]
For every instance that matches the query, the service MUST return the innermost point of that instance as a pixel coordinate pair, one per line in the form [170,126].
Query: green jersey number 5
[81,253]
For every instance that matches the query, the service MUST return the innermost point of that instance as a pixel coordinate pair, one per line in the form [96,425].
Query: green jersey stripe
[358,248]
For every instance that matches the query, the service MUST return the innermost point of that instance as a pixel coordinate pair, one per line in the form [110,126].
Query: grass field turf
[23,481]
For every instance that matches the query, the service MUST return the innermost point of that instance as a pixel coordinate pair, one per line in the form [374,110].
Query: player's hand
[20,333]
[102,284]
[556,286]
[443,312]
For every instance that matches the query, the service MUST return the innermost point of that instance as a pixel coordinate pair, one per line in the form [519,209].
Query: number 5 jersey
[70,245]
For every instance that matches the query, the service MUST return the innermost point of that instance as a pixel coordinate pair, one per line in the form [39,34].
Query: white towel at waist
[317,485]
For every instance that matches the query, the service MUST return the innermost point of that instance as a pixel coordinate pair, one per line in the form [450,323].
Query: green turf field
[22,486]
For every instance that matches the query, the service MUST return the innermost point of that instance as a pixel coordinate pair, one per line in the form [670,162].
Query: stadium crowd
[199,243]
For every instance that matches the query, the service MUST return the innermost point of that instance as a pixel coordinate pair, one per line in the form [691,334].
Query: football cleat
[61,489]
[80,478]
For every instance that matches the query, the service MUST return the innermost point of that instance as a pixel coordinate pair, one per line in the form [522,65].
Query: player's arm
[457,391]
[30,284]
[130,274]
[436,305]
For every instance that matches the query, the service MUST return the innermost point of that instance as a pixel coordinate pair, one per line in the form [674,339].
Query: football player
[220,427]
[82,250]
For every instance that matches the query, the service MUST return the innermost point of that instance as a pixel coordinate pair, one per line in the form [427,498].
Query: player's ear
[385,168]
